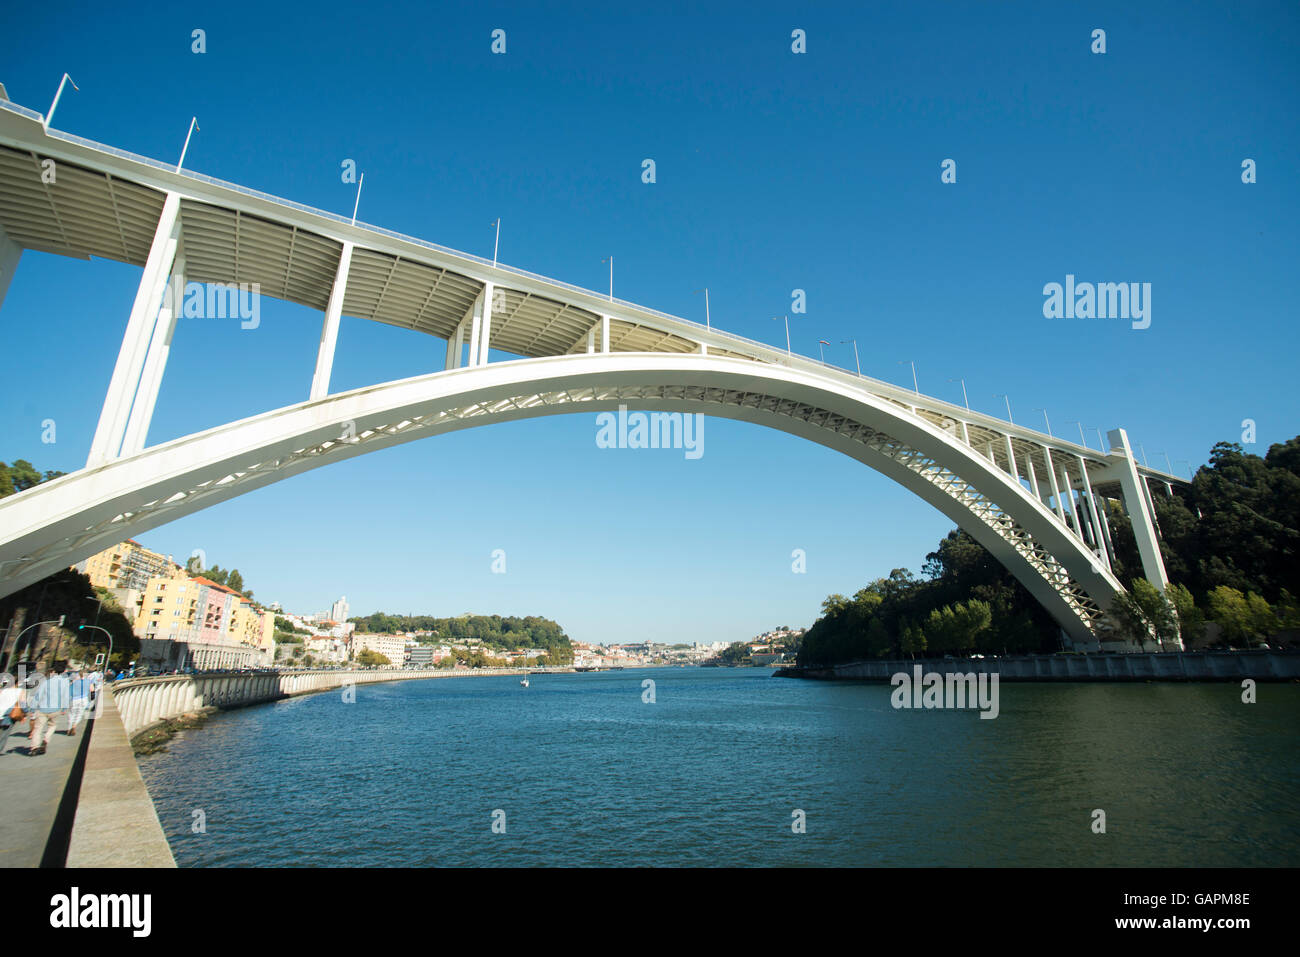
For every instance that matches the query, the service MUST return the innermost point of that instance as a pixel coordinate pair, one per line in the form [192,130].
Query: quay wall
[145,702]
[1154,666]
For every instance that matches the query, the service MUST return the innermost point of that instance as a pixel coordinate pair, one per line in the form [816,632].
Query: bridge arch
[63,521]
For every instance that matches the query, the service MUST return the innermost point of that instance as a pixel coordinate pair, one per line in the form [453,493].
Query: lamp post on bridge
[787,332]
[356,204]
[194,125]
[1047,421]
[1189,467]
[610,260]
[708,324]
[821,347]
[856,362]
[49,116]
[1003,395]
[1082,441]
[964,397]
[1101,442]
[496,244]
[911,363]
[1169,466]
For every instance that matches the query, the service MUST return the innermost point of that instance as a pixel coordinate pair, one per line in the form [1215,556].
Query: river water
[580,769]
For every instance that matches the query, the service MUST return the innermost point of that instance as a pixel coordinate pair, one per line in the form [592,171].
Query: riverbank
[1174,666]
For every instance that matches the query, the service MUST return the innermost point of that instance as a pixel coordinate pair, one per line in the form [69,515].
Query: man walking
[51,698]
[79,690]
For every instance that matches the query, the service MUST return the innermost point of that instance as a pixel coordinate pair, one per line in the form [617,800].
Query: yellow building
[252,626]
[168,608]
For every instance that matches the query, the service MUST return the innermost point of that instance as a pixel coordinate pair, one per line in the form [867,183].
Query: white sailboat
[524,683]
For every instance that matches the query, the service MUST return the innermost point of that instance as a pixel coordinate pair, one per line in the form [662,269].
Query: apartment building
[392,647]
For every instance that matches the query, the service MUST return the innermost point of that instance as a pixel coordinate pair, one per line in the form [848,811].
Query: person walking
[79,694]
[51,698]
[11,702]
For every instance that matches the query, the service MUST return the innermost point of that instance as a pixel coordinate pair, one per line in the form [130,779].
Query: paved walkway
[30,791]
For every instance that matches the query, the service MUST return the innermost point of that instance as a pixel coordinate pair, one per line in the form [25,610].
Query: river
[581,769]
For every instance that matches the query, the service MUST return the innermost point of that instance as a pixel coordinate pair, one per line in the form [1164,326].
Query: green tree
[1143,613]
[912,640]
[1191,623]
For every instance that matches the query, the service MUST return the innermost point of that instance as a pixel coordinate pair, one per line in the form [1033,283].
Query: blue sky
[775,171]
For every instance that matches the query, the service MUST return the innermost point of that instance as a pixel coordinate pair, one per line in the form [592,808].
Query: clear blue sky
[775,171]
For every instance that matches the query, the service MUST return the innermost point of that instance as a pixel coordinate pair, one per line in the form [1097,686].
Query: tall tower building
[339,611]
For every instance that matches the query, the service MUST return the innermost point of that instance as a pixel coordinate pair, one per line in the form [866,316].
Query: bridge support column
[155,363]
[1067,489]
[10,252]
[604,333]
[485,333]
[476,329]
[1099,542]
[329,332]
[1056,489]
[1011,460]
[1033,478]
[1105,533]
[591,341]
[1138,507]
[1077,504]
[130,358]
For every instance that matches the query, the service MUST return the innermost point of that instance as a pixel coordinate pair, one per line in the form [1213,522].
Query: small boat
[524,683]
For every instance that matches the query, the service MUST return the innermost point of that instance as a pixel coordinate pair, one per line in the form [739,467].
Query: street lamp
[1082,440]
[1101,443]
[787,332]
[357,203]
[496,245]
[19,640]
[194,125]
[1169,465]
[49,116]
[708,324]
[913,365]
[1144,454]
[1002,395]
[610,260]
[855,354]
[1048,421]
[965,398]
[821,348]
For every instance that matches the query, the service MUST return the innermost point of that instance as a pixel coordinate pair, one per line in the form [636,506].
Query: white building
[339,610]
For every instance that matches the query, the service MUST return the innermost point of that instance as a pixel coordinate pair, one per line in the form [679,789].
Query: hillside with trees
[494,631]
[1231,548]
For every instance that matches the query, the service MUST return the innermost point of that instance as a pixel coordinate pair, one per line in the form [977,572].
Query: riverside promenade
[84,804]
[31,791]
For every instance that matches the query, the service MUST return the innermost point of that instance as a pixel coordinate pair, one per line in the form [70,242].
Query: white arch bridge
[1038,503]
